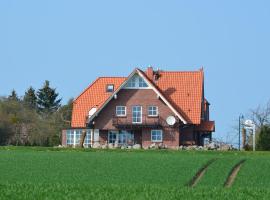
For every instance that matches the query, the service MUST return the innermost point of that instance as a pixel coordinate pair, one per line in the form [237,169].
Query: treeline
[37,118]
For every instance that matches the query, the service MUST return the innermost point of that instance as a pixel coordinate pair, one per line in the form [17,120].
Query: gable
[130,98]
[136,82]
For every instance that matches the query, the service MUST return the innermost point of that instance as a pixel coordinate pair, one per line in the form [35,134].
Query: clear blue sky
[70,43]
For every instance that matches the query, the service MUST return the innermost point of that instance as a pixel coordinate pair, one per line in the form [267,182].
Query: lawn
[47,173]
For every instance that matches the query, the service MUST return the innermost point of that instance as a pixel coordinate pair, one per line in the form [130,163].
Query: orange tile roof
[184,91]
[94,96]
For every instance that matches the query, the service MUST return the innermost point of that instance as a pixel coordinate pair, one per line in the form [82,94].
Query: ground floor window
[73,137]
[112,135]
[126,137]
[156,135]
[122,137]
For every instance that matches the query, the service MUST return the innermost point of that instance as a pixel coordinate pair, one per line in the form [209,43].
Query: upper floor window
[142,83]
[136,114]
[110,88]
[136,82]
[156,135]
[132,82]
[152,111]
[121,111]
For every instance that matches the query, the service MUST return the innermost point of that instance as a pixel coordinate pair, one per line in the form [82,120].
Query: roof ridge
[112,77]
[180,71]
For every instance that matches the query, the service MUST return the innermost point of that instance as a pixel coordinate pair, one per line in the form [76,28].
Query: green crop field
[47,173]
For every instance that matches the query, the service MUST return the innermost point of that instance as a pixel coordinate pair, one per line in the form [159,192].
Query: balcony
[146,122]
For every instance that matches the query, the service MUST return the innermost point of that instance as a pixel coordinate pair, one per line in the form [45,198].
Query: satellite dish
[249,123]
[92,111]
[171,120]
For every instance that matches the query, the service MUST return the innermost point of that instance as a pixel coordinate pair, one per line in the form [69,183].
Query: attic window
[110,88]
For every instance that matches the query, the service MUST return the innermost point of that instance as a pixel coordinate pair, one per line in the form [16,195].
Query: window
[125,137]
[121,111]
[136,82]
[132,82]
[74,137]
[112,135]
[136,114]
[152,111]
[156,135]
[70,137]
[87,140]
[142,83]
[110,88]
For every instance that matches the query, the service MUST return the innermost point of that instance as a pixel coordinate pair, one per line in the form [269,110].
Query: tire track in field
[194,181]
[233,174]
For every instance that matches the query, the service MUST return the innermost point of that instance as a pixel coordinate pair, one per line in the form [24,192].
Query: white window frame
[150,109]
[137,116]
[121,115]
[124,136]
[116,137]
[73,137]
[154,135]
[142,83]
[110,88]
[137,82]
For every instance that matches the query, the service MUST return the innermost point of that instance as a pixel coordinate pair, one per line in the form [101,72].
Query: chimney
[150,72]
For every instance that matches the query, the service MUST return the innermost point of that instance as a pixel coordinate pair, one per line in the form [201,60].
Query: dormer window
[110,88]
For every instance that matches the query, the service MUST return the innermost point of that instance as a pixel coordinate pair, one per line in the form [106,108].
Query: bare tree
[261,115]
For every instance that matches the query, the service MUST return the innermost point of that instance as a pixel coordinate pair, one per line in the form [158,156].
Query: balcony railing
[129,122]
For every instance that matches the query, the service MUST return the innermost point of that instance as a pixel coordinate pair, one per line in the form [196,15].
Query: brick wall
[129,98]
[170,137]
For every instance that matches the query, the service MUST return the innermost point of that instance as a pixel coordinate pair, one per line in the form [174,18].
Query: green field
[47,173]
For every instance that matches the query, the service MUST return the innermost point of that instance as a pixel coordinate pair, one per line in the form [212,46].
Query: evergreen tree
[13,96]
[30,98]
[264,138]
[47,99]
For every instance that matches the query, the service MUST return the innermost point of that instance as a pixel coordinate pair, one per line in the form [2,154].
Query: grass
[48,173]
[218,172]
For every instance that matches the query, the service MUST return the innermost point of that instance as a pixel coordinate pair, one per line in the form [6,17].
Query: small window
[121,111]
[156,135]
[110,88]
[152,111]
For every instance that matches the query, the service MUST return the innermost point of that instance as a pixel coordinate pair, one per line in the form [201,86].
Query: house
[147,107]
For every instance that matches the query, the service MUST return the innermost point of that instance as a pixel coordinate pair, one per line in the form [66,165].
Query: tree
[13,96]
[30,98]
[66,111]
[261,115]
[264,138]
[47,99]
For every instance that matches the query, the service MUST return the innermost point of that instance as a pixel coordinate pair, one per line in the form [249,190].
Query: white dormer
[136,82]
